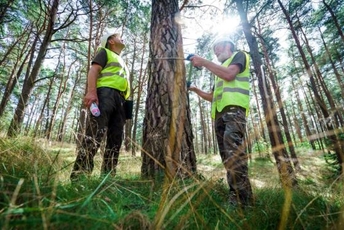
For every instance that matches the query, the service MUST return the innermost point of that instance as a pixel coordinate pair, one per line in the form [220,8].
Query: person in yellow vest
[108,87]
[230,104]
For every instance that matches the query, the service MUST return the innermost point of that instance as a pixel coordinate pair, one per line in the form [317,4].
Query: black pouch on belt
[128,108]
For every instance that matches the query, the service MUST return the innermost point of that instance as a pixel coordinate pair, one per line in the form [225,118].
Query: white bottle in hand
[95,110]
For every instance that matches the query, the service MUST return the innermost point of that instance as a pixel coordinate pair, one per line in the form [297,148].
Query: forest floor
[263,172]
[101,203]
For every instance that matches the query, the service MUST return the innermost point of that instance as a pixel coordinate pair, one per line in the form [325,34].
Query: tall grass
[35,193]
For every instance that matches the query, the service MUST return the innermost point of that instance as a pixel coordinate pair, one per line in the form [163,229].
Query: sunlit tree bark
[166,103]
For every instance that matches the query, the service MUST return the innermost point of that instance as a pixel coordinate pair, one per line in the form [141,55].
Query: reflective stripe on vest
[114,74]
[236,92]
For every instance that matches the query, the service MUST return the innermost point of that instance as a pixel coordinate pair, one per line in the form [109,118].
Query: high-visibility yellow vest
[115,74]
[236,92]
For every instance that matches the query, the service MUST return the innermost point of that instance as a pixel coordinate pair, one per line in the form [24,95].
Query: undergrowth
[33,195]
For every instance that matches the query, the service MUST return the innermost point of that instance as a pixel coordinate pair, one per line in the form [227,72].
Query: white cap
[105,37]
[223,40]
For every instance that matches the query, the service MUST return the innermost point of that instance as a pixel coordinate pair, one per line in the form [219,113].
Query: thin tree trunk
[331,134]
[69,105]
[18,117]
[31,115]
[196,133]
[336,73]
[129,123]
[336,116]
[141,81]
[295,121]
[44,106]
[334,20]
[255,134]
[259,113]
[284,166]
[203,126]
[61,90]
[12,82]
[272,78]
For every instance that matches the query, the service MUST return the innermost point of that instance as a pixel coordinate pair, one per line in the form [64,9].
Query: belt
[234,108]
[230,108]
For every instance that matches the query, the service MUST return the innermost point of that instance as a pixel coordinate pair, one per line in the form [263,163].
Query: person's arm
[91,95]
[226,73]
[97,66]
[208,96]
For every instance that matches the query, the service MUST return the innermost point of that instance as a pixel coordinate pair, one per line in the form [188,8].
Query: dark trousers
[230,132]
[109,124]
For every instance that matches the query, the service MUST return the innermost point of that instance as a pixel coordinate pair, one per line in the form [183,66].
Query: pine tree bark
[166,103]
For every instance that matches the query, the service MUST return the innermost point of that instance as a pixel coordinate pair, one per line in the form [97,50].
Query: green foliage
[331,157]
[261,146]
[31,197]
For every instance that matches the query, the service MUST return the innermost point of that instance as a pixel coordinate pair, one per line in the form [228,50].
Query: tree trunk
[11,83]
[260,119]
[141,82]
[166,102]
[32,114]
[285,122]
[335,69]
[335,20]
[284,166]
[280,104]
[331,134]
[188,157]
[18,117]
[337,118]
[129,123]
[62,88]
[69,105]
[204,142]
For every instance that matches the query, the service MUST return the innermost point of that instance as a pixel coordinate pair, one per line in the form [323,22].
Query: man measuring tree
[230,103]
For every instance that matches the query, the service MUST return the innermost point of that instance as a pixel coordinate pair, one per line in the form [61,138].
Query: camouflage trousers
[230,129]
[109,125]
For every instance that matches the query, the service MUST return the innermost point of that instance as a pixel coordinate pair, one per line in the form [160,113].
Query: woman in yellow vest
[230,104]
[107,89]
